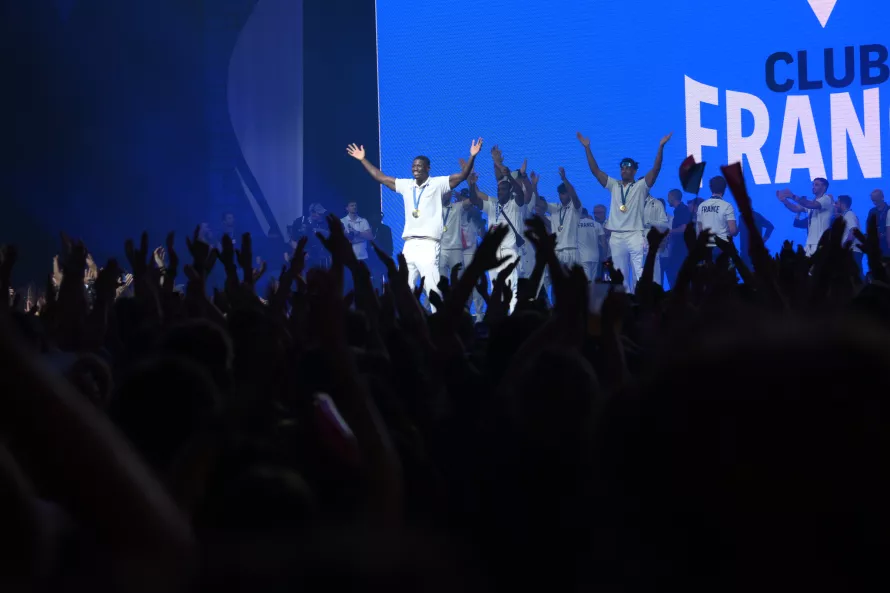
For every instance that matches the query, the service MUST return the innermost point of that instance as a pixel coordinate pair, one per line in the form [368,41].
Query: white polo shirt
[565,218]
[429,194]
[498,215]
[634,199]
[715,214]
[589,233]
[359,225]
[852,222]
[819,221]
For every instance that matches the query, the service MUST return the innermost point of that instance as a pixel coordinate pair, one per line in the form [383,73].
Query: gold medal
[416,214]
[444,228]
[622,207]
[560,228]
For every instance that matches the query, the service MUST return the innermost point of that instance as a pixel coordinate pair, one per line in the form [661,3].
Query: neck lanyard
[625,194]
[562,215]
[416,197]
[445,213]
[497,213]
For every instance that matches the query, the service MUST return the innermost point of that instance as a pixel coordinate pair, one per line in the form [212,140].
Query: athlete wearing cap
[423,196]
[626,215]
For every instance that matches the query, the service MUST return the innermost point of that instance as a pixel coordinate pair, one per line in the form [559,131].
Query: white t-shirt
[498,215]
[852,222]
[715,214]
[589,233]
[451,226]
[819,221]
[565,218]
[359,225]
[428,224]
[634,199]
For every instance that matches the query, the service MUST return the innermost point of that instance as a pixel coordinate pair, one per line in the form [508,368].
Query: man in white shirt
[422,197]
[819,210]
[590,242]
[452,252]
[599,216]
[716,215]
[507,210]
[844,208]
[358,231]
[654,215]
[626,217]
[565,216]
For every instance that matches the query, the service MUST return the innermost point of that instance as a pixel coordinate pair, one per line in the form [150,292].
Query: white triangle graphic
[822,9]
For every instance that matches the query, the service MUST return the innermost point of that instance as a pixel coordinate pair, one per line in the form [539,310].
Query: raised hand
[418,290]
[337,244]
[655,237]
[159,256]
[203,257]
[245,256]
[138,258]
[475,147]
[562,173]
[524,166]
[486,257]
[727,247]
[496,155]
[355,151]
[585,142]
[534,178]
[666,139]
[473,178]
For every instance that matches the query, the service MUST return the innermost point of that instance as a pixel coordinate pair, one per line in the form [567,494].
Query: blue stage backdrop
[795,88]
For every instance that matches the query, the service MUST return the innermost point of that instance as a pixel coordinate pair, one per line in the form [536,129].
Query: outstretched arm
[358,153]
[591,162]
[570,189]
[476,195]
[808,204]
[466,166]
[783,196]
[652,175]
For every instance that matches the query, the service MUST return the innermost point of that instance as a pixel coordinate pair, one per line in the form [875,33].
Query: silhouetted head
[717,185]
[675,198]
[877,197]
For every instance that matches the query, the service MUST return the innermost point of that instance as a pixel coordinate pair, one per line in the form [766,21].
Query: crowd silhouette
[729,434]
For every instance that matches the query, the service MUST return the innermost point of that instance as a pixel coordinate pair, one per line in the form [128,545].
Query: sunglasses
[627,165]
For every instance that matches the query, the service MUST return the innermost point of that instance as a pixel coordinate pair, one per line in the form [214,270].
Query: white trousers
[422,257]
[591,270]
[511,253]
[628,253]
[568,257]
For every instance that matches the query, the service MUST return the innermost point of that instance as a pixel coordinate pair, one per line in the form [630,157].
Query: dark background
[116,119]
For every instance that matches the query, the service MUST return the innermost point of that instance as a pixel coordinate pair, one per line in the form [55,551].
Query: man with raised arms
[626,221]
[423,197]
[506,210]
